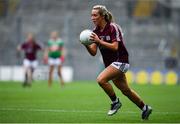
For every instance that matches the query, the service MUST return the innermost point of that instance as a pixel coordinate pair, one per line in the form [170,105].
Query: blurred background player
[108,38]
[54,56]
[30,48]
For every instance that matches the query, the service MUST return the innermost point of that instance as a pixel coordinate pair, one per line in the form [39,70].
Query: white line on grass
[77,111]
[49,110]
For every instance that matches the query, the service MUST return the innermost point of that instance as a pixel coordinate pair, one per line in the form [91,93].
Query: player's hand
[94,38]
[19,48]
[62,58]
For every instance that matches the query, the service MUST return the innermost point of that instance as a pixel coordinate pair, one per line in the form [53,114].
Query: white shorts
[124,67]
[54,61]
[28,63]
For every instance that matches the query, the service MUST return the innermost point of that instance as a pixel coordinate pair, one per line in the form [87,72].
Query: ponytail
[109,17]
[104,12]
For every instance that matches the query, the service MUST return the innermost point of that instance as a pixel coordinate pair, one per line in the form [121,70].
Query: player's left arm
[61,47]
[39,46]
[62,51]
[113,46]
[20,47]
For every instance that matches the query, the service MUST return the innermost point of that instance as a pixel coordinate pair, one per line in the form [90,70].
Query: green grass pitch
[83,102]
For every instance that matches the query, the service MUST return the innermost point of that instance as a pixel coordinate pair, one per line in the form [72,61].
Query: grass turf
[84,102]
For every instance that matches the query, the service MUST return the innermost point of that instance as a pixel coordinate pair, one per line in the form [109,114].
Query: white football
[85,37]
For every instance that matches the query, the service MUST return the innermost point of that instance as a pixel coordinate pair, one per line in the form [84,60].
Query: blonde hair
[30,35]
[104,12]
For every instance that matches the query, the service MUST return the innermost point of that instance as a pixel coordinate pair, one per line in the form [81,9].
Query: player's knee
[101,81]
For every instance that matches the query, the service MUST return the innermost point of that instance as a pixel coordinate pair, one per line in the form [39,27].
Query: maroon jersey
[30,49]
[112,33]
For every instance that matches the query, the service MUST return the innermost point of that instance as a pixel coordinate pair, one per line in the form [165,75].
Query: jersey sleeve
[38,46]
[23,46]
[116,33]
[61,43]
[49,43]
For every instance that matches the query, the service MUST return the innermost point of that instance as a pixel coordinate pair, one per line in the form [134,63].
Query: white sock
[115,101]
[144,108]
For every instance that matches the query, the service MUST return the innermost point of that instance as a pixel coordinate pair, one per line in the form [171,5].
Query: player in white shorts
[108,38]
[30,64]
[54,53]
[54,61]
[30,48]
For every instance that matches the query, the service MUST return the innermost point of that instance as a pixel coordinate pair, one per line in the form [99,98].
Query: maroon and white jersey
[112,33]
[30,49]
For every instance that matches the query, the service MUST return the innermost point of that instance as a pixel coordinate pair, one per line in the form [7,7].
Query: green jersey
[55,48]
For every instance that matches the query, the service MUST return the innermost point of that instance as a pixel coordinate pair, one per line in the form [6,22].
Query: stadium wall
[16,73]
[142,77]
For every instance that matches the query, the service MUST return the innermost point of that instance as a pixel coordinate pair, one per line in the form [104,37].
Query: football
[85,37]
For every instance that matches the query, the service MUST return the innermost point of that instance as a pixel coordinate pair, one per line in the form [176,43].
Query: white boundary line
[77,111]
[50,110]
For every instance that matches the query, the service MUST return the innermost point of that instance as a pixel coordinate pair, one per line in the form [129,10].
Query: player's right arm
[46,52]
[19,48]
[92,49]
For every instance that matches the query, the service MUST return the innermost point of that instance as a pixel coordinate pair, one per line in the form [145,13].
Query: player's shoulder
[50,41]
[114,25]
[59,40]
[95,29]
[38,44]
[25,43]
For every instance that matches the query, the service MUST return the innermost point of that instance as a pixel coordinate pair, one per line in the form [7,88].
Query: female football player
[108,38]
[54,53]
[30,48]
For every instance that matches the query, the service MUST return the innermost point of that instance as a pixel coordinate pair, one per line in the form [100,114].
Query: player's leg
[32,66]
[51,69]
[51,63]
[26,65]
[60,75]
[106,75]
[25,76]
[59,65]
[29,73]
[121,83]
[32,72]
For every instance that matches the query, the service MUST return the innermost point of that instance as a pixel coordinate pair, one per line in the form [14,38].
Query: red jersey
[30,49]
[112,33]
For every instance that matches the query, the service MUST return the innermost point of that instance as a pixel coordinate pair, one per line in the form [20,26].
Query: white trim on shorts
[124,67]
[28,63]
[54,61]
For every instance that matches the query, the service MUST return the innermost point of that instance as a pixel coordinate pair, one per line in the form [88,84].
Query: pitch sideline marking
[49,110]
[75,111]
